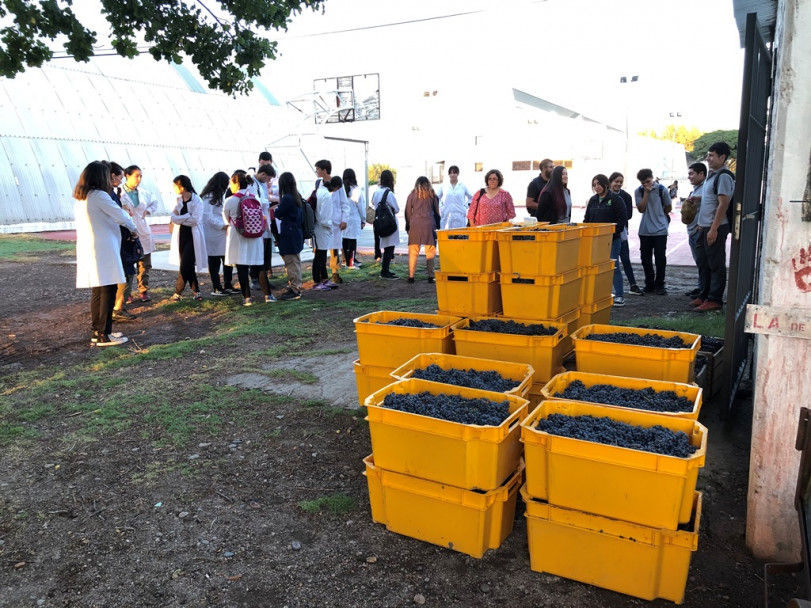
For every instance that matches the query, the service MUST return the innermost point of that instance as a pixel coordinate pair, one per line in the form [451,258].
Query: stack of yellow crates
[615,517]
[382,347]
[468,283]
[451,484]
[597,269]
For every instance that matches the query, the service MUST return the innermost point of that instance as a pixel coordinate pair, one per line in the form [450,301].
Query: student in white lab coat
[140,204]
[356,219]
[387,243]
[98,248]
[188,247]
[322,238]
[214,229]
[454,199]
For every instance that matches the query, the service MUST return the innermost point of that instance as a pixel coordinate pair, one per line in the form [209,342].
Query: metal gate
[750,186]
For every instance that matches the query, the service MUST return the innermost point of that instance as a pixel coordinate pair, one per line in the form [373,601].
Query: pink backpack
[251,221]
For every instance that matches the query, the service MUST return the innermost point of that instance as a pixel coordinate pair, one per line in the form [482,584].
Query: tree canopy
[376,169]
[223,44]
[681,135]
[702,145]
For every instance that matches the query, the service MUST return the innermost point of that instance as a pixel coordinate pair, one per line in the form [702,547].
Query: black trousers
[651,247]
[267,250]
[187,272]
[214,262]
[350,246]
[388,256]
[320,266]
[243,270]
[712,260]
[102,301]
[378,254]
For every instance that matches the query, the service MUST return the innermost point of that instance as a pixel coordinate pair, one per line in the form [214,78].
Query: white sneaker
[619,302]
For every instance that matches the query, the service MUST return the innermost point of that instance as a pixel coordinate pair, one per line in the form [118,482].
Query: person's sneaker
[218,293]
[619,302]
[708,306]
[331,284]
[696,302]
[255,285]
[410,279]
[321,287]
[230,291]
[356,266]
[660,291]
[247,301]
[648,290]
[430,279]
[103,340]
[144,297]
[270,298]
[636,290]
[693,294]
[123,315]
[350,267]
[198,296]
[388,275]
[289,295]
[176,297]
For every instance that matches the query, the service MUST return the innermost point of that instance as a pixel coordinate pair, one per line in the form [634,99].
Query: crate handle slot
[458,237]
[461,279]
[523,237]
[523,281]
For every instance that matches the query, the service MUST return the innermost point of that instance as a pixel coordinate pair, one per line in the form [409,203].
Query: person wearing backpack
[290,213]
[654,204]
[386,193]
[714,227]
[696,175]
[243,242]
[188,248]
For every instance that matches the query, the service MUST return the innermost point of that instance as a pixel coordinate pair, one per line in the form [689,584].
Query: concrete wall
[783,380]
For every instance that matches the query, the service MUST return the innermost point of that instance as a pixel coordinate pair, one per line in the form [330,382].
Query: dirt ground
[93,523]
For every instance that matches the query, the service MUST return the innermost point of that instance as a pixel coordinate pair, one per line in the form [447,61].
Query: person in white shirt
[262,180]
[188,246]
[356,219]
[140,204]
[454,199]
[322,237]
[340,214]
[214,229]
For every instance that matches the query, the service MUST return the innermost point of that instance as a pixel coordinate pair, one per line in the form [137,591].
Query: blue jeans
[616,245]
[625,256]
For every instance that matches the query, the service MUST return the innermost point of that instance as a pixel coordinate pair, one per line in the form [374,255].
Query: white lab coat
[453,204]
[193,219]
[213,227]
[147,205]
[340,214]
[323,219]
[260,190]
[239,249]
[392,239]
[98,240]
[357,213]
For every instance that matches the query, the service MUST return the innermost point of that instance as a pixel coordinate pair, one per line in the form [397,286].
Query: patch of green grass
[13,432]
[17,247]
[334,503]
[39,411]
[705,324]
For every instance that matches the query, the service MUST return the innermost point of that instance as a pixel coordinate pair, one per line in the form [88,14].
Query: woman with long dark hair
[422,220]
[387,243]
[605,207]
[356,219]
[188,247]
[615,182]
[555,201]
[98,248]
[290,213]
[213,197]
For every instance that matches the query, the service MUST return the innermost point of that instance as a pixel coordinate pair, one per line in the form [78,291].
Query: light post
[624,80]
[674,116]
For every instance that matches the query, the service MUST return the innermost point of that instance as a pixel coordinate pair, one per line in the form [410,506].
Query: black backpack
[385,224]
[731,206]
[308,226]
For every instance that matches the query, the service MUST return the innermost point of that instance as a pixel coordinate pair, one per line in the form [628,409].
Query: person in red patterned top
[492,204]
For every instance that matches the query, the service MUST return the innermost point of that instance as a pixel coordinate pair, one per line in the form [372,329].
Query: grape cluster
[700,364]
[711,345]
[654,340]
[656,439]
[484,380]
[641,399]
[412,323]
[511,327]
[481,412]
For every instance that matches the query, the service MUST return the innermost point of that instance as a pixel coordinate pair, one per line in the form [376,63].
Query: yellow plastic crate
[598,313]
[392,345]
[595,244]
[370,378]
[670,364]
[518,372]
[469,250]
[462,520]
[635,560]
[597,282]
[468,294]
[543,353]
[462,455]
[570,319]
[631,485]
[539,249]
[540,297]
[559,383]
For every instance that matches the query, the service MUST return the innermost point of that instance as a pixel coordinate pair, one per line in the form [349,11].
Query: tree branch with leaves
[227,49]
